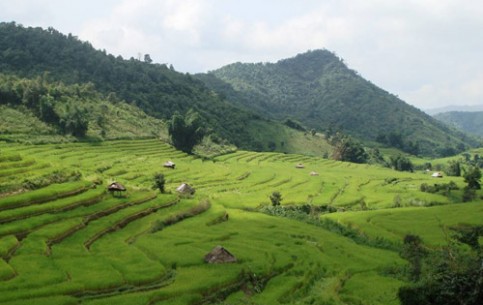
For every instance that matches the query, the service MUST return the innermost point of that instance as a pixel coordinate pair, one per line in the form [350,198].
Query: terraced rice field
[72,242]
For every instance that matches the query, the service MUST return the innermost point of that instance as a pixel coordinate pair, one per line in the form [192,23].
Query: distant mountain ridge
[471,122]
[319,90]
[459,108]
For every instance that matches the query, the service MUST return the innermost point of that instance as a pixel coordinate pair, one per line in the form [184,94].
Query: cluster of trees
[186,131]
[56,104]
[401,163]
[447,276]
[439,187]
[347,149]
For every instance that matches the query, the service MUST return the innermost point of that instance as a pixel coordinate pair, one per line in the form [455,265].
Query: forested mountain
[319,90]
[471,122]
[157,89]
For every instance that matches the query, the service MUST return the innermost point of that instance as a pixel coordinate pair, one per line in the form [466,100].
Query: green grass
[69,244]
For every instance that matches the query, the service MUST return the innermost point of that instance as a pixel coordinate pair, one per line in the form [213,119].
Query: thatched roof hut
[169,164]
[219,255]
[314,173]
[185,188]
[116,187]
[437,175]
[300,165]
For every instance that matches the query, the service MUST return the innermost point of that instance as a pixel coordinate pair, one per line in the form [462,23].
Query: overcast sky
[428,52]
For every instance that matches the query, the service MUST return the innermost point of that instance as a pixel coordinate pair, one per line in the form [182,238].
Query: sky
[427,52]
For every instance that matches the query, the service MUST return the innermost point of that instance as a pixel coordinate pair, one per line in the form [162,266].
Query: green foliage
[187,131]
[414,252]
[347,149]
[472,178]
[453,168]
[276,198]
[445,188]
[401,163]
[453,276]
[375,157]
[294,124]
[159,182]
[37,106]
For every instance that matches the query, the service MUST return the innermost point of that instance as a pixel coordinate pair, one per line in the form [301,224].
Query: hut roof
[169,164]
[314,174]
[437,175]
[219,255]
[300,165]
[185,188]
[116,186]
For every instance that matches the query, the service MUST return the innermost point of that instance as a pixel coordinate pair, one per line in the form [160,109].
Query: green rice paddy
[72,242]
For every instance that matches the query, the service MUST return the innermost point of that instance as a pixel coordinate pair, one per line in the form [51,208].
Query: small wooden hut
[437,175]
[116,187]
[185,189]
[169,164]
[314,173]
[219,255]
[300,165]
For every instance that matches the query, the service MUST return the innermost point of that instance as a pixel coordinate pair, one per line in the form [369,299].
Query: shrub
[276,198]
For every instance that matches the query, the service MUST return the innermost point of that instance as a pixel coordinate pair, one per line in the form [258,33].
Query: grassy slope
[121,121]
[130,265]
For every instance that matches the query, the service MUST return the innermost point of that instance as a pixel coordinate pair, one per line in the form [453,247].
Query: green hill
[470,122]
[156,89]
[320,91]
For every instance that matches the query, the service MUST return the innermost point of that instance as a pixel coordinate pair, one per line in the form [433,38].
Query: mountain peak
[317,89]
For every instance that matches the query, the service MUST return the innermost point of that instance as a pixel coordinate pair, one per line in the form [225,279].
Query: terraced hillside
[65,240]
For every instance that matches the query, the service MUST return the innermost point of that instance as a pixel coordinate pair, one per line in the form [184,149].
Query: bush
[276,198]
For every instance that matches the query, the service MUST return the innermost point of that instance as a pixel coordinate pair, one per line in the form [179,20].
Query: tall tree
[187,131]
[346,149]
[472,177]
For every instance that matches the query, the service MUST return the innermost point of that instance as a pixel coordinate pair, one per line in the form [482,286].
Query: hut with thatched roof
[437,175]
[300,165]
[169,164]
[185,189]
[116,187]
[314,173]
[219,255]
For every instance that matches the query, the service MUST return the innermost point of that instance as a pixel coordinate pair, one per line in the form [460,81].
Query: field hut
[185,188]
[116,187]
[314,173]
[219,255]
[169,164]
[300,165]
[437,175]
